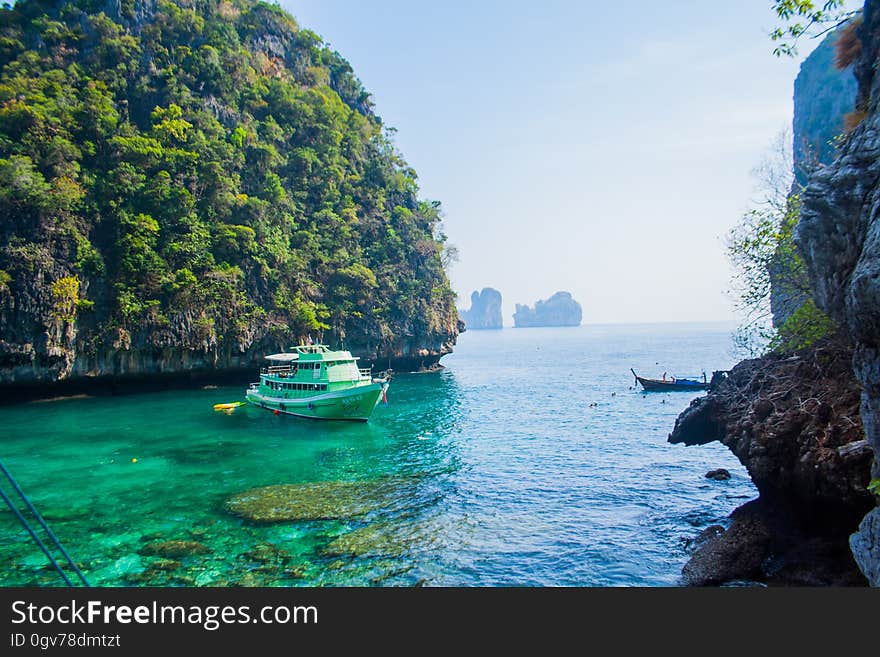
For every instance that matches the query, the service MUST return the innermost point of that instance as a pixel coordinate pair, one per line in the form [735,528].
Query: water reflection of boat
[313,381]
[652,385]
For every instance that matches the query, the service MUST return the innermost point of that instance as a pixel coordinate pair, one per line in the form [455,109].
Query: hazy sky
[600,148]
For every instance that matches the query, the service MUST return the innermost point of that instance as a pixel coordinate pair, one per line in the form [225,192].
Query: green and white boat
[313,381]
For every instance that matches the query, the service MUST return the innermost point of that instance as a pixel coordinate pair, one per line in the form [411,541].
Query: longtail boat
[653,385]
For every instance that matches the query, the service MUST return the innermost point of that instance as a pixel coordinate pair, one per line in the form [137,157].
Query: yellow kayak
[228,407]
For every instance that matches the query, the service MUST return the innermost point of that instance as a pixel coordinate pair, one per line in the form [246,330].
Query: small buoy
[134,460]
[276,411]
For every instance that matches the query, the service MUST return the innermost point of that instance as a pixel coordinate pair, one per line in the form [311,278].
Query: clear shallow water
[501,473]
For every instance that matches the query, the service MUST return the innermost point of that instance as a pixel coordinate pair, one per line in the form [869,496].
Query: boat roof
[311,352]
[283,358]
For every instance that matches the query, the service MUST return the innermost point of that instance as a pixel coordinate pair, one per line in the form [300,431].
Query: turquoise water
[497,471]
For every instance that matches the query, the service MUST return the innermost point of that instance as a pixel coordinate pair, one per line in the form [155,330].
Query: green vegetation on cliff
[202,175]
[773,287]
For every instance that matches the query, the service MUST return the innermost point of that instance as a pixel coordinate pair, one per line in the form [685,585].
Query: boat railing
[276,369]
[365,372]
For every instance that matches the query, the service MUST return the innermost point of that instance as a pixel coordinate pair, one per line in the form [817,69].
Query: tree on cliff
[770,281]
[805,17]
[770,278]
[212,175]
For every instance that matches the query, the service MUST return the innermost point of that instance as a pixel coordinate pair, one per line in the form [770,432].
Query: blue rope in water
[43,524]
[33,534]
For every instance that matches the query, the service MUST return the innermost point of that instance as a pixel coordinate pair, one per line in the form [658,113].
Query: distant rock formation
[485,310]
[559,310]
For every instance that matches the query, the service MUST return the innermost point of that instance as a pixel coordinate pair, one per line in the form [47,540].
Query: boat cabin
[311,369]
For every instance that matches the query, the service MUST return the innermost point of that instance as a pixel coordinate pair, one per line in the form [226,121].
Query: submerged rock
[325,500]
[164,565]
[267,553]
[383,539]
[173,549]
[720,474]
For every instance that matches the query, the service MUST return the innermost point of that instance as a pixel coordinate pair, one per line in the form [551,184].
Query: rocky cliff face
[559,310]
[839,238]
[485,310]
[823,94]
[794,424]
[806,427]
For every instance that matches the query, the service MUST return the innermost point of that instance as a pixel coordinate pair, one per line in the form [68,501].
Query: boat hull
[655,385]
[354,404]
[652,385]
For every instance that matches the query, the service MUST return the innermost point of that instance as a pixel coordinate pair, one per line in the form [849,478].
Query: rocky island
[559,310]
[186,187]
[485,310]
[805,421]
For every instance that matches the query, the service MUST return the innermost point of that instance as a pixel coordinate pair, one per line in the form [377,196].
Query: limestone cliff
[839,238]
[823,95]
[186,187]
[485,310]
[559,310]
[806,426]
